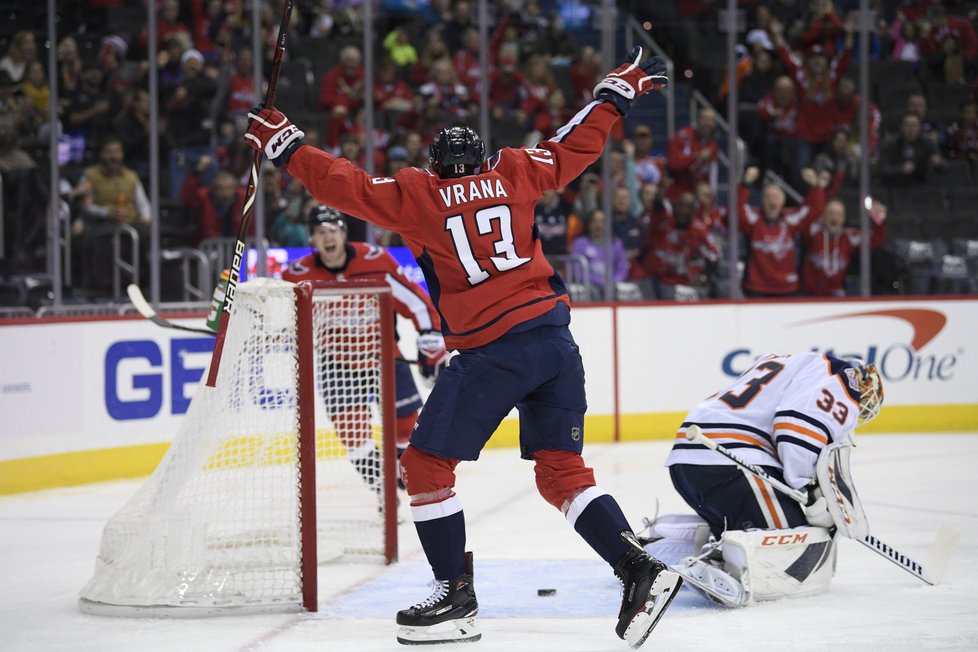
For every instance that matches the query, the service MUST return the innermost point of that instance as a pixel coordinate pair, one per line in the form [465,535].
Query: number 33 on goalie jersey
[782,412]
[473,236]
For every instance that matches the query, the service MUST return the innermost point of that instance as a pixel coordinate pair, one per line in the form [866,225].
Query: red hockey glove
[432,355]
[631,80]
[270,131]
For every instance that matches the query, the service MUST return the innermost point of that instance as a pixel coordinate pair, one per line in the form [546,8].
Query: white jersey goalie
[793,416]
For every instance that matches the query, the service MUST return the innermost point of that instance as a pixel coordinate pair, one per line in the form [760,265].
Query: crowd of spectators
[668,227]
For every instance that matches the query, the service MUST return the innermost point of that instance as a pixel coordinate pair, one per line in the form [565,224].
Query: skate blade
[460,630]
[664,589]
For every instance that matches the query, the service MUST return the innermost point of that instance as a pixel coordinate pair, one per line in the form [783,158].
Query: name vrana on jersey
[460,193]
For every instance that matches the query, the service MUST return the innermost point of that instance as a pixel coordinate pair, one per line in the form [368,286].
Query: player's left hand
[270,131]
[631,80]
[432,355]
[817,510]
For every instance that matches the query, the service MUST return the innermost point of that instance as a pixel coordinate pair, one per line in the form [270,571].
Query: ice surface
[910,485]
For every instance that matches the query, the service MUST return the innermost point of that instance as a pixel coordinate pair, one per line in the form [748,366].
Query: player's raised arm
[333,181]
[581,141]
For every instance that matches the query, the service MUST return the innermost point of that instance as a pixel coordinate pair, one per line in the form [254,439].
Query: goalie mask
[456,152]
[870,391]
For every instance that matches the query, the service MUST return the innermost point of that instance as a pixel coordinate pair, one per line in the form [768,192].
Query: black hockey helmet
[320,214]
[456,152]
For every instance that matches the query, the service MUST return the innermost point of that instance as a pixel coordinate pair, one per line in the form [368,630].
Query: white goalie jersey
[781,413]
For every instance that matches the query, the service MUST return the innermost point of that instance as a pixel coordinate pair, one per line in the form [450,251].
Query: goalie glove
[817,510]
[271,132]
[432,355]
[631,80]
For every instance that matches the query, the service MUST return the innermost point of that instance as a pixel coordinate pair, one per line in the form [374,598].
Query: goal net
[289,461]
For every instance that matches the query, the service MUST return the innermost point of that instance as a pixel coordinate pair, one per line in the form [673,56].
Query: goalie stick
[937,557]
[239,245]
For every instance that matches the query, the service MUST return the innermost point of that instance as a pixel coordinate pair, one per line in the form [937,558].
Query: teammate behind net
[469,222]
[346,370]
[793,416]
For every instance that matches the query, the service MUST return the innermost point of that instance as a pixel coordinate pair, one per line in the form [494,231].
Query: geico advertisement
[925,350]
[86,385]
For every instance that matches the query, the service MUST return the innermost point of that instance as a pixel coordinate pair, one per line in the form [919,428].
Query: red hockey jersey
[368,262]
[772,260]
[827,257]
[474,236]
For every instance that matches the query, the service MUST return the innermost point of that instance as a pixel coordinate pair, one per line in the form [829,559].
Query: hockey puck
[546,592]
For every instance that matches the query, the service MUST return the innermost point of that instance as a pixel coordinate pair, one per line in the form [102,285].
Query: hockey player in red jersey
[335,259]
[772,230]
[469,222]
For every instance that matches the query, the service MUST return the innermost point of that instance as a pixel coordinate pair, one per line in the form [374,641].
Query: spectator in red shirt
[583,73]
[241,86]
[215,210]
[555,114]
[771,231]
[507,90]
[816,79]
[846,115]
[466,59]
[693,154]
[829,246]
[392,96]
[341,91]
[940,27]
[823,27]
[538,82]
[677,249]
[777,113]
[708,212]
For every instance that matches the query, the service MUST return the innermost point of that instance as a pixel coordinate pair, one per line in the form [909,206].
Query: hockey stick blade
[937,558]
[146,310]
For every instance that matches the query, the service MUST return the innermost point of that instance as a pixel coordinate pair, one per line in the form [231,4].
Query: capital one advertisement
[925,350]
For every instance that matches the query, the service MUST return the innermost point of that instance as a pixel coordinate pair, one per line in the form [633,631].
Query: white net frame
[224,524]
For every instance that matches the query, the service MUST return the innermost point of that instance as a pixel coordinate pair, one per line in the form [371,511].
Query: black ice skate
[447,616]
[648,586]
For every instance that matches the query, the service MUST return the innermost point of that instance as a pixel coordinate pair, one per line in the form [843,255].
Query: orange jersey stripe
[769,502]
[802,431]
[756,441]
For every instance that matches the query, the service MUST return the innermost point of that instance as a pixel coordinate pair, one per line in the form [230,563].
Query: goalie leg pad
[774,564]
[673,537]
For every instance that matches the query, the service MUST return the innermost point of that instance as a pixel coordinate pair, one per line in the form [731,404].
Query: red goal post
[227,524]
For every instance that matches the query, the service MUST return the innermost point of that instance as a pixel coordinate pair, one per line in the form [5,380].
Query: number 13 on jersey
[485,222]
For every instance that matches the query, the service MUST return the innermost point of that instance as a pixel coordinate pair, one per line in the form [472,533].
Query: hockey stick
[150,313]
[937,557]
[239,245]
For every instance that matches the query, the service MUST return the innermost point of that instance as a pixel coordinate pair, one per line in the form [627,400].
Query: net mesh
[217,524]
